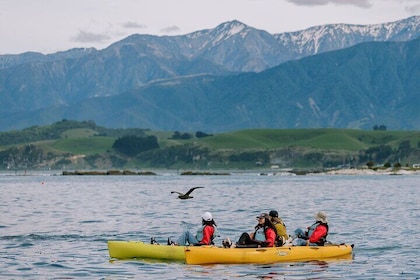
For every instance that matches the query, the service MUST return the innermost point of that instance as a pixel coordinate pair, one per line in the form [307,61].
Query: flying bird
[187,194]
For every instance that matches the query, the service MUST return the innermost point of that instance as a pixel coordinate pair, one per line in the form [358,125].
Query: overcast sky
[48,26]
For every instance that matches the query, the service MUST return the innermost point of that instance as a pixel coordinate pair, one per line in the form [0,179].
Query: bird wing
[191,190]
[177,192]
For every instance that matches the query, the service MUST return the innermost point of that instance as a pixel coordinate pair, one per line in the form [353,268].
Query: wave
[41,237]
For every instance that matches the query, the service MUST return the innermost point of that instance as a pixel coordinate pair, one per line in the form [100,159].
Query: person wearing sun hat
[316,235]
[263,236]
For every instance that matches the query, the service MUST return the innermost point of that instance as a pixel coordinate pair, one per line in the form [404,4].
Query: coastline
[368,171]
[165,172]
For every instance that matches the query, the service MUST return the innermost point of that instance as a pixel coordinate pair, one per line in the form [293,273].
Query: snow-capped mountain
[33,82]
[325,38]
[237,47]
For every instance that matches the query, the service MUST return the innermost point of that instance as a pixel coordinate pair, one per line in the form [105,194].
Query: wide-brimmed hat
[321,217]
[263,215]
[207,217]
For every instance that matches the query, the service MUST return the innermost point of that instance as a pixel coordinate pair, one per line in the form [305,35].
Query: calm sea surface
[56,227]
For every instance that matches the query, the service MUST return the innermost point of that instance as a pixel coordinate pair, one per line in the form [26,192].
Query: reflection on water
[57,226]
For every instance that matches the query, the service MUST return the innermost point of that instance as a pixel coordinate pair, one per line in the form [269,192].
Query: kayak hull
[137,249]
[217,255]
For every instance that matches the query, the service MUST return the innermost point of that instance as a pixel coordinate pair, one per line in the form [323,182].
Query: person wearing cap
[204,236]
[263,236]
[316,235]
[280,227]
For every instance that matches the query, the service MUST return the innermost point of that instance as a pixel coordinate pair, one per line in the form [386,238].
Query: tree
[131,145]
[379,127]
[200,134]
[404,148]
[178,135]
[186,136]
[379,153]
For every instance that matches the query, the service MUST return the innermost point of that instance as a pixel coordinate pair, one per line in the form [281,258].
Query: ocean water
[56,227]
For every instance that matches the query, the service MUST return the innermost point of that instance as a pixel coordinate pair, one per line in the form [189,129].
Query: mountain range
[227,78]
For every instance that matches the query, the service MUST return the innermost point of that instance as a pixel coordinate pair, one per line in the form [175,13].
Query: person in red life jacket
[263,236]
[204,236]
[316,235]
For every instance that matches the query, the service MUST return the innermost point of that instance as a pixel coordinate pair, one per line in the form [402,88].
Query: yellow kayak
[137,249]
[218,255]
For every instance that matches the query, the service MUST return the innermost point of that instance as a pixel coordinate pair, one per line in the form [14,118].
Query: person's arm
[318,233]
[270,236]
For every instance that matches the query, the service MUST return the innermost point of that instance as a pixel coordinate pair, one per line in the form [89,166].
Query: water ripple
[59,230]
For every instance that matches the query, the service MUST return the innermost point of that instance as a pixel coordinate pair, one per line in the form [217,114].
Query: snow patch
[314,106]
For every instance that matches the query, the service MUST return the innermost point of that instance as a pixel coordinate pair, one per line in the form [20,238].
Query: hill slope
[34,82]
[359,87]
[72,145]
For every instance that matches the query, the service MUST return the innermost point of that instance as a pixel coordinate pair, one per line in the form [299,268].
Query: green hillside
[85,146]
[335,139]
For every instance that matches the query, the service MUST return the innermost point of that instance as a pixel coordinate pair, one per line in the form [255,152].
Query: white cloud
[170,29]
[135,25]
[90,37]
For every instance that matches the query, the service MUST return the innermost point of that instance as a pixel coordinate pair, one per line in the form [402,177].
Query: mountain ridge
[34,83]
[381,32]
[274,98]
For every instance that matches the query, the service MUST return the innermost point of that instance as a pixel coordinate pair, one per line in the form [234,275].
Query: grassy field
[85,145]
[78,133]
[337,139]
[238,149]
[80,141]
